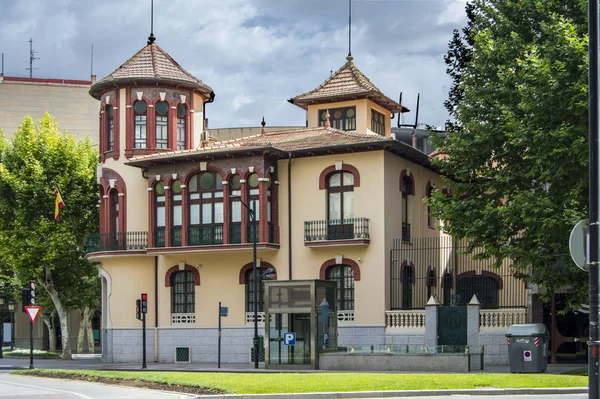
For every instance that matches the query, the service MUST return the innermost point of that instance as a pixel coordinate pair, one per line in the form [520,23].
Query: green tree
[518,157]
[32,244]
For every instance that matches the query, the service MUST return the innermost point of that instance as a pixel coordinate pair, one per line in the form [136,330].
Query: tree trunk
[90,330]
[85,330]
[63,314]
[48,319]
[81,333]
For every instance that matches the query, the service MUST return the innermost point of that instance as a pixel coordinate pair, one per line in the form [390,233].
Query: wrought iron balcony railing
[336,229]
[206,235]
[129,241]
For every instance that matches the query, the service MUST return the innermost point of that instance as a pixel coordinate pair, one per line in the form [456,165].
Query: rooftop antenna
[32,57]
[151,38]
[399,113]
[92,62]
[2,73]
[349,57]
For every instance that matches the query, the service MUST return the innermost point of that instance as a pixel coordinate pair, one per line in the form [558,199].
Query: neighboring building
[338,200]
[66,100]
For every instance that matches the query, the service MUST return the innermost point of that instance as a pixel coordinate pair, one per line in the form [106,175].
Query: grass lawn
[252,383]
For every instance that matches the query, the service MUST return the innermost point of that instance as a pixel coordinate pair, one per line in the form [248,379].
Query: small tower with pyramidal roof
[352,102]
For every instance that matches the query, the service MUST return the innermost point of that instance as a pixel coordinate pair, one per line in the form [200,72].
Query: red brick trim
[48,81]
[345,261]
[175,269]
[331,169]
[483,273]
[104,210]
[248,266]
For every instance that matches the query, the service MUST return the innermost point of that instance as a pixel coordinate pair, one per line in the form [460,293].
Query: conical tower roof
[149,66]
[347,83]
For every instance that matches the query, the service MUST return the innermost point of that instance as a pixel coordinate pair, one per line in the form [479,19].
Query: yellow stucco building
[337,200]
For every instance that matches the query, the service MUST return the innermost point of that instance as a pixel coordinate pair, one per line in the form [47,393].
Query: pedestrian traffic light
[144,303]
[138,314]
[32,293]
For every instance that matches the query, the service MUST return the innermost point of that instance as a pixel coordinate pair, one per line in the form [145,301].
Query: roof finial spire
[327,120]
[151,38]
[349,57]
[263,123]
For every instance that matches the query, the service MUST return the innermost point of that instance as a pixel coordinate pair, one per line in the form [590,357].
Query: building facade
[337,200]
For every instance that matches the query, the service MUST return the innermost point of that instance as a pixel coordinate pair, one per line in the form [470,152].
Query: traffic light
[144,303]
[138,314]
[32,293]
[25,298]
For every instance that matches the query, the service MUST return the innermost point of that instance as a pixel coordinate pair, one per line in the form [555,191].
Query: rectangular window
[218,212]
[339,118]
[207,214]
[236,211]
[195,214]
[160,216]
[181,133]
[335,208]
[140,131]
[162,140]
[177,215]
[377,122]
[111,134]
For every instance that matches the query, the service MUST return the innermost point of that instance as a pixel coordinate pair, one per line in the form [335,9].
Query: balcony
[336,232]
[129,241]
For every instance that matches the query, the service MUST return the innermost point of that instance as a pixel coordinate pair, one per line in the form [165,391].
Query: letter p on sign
[289,339]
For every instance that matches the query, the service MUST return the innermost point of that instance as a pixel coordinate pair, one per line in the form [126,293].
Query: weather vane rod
[349,28]
[151,38]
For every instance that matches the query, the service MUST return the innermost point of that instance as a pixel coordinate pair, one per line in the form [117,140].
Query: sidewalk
[91,362]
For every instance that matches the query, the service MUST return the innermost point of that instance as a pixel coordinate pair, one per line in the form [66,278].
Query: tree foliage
[33,246]
[518,155]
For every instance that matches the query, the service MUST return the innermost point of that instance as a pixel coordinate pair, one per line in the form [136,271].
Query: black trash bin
[527,348]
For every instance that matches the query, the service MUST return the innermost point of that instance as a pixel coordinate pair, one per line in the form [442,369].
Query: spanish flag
[57,205]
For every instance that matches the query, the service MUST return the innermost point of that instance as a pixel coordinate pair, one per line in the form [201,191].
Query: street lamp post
[1,328]
[11,309]
[252,213]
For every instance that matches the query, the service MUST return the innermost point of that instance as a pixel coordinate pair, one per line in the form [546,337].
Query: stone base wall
[496,349]
[399,362]
[125,345]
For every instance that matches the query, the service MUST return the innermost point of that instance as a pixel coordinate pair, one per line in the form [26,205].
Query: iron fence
[438,266]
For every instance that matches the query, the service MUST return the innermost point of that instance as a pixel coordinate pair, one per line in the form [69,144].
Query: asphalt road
[18,386]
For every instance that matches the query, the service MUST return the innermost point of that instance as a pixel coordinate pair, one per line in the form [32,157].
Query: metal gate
[452,325]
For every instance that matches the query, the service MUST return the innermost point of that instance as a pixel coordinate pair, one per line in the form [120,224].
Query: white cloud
[255,54]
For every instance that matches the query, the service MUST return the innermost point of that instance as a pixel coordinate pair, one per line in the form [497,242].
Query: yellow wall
[363,114]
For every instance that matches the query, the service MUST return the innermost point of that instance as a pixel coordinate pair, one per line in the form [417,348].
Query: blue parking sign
[289,339]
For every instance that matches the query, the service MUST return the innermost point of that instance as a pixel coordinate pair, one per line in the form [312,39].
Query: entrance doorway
[299,353]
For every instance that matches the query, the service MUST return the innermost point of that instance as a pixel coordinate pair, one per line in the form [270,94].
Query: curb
[387,394]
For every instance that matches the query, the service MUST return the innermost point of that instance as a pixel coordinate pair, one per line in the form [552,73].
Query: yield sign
[32,312]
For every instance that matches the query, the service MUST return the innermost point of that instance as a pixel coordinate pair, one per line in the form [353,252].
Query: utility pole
[594,122]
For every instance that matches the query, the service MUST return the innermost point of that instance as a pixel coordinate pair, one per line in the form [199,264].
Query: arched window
[343,275]
[162,124]
[430,219]
[408,280]
[447,286]
[181,126]
[113,217]
[235,229]
[253,203]
[176,211]
[182,292]
[205,209]
[486,287]
[110,128]
[260,293]
[407,189]
[140,111]
[340,205]
[159,217]
[431,283]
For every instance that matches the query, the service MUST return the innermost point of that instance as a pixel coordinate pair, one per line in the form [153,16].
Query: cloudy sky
[255,54]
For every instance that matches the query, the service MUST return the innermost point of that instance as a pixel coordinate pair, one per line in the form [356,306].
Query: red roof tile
[150,65]
[350,82]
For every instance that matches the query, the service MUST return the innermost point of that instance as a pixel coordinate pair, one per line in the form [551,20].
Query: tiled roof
[150,65]
[346,82]
[287,140]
